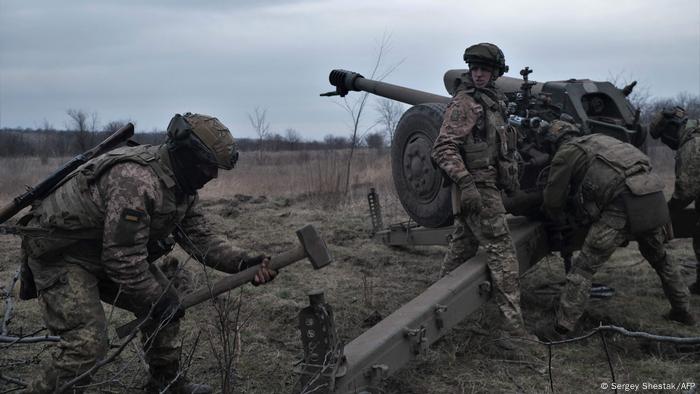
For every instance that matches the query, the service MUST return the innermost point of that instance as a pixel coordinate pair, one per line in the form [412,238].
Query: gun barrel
[345,81]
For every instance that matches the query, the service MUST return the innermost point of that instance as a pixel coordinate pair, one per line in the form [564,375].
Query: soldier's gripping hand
[168,307]
[265,274]
[470,199]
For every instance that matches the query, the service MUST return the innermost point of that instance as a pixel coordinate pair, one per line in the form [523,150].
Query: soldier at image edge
[476,150]
[611,187]
[103,221]
[683,136]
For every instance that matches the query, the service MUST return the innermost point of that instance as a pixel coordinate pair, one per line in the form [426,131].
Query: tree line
[82,132]
[60,143]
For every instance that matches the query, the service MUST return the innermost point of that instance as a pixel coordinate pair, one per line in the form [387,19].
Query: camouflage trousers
[603,238]
[488,228]
[69,297]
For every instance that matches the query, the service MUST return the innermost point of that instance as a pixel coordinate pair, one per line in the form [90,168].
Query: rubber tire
[419,183]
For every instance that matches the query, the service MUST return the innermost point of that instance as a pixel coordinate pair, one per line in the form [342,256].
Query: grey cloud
[146,60]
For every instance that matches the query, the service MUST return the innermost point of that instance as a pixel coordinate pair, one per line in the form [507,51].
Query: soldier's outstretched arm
[129,193]
[195,236]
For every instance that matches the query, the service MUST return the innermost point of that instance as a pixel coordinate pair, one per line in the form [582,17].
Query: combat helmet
[554,134]
[206,137]
[489,55]
[198,145]
[667,125]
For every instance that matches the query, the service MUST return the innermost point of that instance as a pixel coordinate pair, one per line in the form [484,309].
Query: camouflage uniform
[602,173]
[687,187]
[104,219]
[474,123]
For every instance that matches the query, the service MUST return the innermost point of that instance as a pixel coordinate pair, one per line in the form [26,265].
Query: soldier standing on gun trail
[683,136]
[613,189]
[476,148]
[115,209]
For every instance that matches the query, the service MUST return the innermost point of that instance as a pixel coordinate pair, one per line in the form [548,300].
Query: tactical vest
[72,211]
[492,143]
[617,169]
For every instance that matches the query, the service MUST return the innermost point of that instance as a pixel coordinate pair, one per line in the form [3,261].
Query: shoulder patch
[456,114]
[132,215]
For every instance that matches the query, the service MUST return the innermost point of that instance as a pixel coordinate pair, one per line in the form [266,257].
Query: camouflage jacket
[473,139]
[592,171]
[110,210]
[687,187]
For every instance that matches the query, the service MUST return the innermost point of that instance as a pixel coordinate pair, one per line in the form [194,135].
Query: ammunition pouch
[508,178]
[600,185]
[645,203]
[40,245]
[45,247]
[476,155]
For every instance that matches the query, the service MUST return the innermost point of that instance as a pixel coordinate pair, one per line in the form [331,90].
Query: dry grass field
[260,204]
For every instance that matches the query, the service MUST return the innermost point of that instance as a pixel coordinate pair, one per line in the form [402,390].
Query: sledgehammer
[310,246]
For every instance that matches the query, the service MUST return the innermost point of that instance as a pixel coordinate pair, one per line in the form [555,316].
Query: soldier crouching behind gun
[475,148]
[683,136]
[114,208]
[614,190]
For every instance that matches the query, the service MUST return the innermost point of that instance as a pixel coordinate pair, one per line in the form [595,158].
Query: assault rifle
[45,186]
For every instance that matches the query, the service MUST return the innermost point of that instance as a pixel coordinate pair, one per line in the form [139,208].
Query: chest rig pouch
[645,203]
[492,145]
[619,169]
[507,163]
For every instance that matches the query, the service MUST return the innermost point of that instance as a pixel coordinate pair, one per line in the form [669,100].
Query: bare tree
[389,114]
[355,107]
[335,142]
[293,138]
[685,100]
[375,140]
[84,124]
[46,126]
[261,126]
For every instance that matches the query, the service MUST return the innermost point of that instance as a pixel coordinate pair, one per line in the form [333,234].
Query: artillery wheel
[419,183]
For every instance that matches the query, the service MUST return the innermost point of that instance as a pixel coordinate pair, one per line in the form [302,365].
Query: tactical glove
[168,308]
[470,198]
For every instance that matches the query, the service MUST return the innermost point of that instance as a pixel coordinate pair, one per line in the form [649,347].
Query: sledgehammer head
[314,247]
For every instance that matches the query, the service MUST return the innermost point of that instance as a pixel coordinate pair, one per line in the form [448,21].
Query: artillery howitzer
[597,107]
[361,365]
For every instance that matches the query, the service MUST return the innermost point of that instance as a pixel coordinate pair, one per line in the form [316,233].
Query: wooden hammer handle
[226,284]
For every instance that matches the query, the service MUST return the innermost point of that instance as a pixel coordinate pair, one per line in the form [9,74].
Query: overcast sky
[146,60]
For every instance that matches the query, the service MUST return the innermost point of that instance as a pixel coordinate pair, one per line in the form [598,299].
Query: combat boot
[519,345]
[682,316]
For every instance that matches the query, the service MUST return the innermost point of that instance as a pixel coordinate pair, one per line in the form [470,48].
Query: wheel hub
[418,168]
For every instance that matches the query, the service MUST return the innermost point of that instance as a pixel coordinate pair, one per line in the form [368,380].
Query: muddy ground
[368,278]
